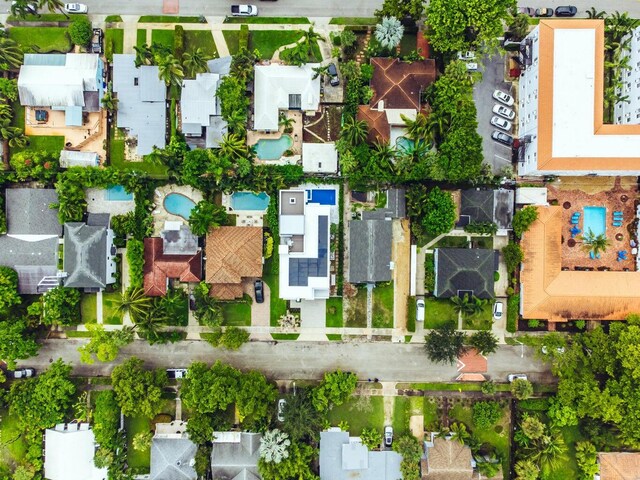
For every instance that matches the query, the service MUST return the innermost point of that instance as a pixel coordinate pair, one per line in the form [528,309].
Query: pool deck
[296,135]
[611,199]
[244,218]
[97,203]
[160,214]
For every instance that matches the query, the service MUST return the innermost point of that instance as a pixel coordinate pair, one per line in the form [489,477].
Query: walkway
[370,287]
[99,315]
[401,257]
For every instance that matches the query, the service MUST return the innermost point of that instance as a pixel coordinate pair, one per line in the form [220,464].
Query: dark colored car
[96,41]
[258,289]
[544,12]
[192,302]
[502,138]
[333,73]
[566,11]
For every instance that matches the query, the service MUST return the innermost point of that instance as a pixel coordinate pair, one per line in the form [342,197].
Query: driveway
[495,154]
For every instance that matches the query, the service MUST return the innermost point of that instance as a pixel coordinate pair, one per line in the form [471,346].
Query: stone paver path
[221,43]
[178,409]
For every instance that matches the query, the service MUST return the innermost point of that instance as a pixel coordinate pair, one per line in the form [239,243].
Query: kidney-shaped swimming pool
[179,204]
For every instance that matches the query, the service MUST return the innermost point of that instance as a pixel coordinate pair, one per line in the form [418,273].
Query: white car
[466,56]
[503,111]
[503,97]
[244,10]
[23,373]
[388,436]
[501,123]
[516,376]
[497,310]
[75,8]
[176,373]
[420,310]
[545,350]
[281,403]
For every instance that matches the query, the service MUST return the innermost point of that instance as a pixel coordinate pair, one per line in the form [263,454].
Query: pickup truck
[244,10]
[96,41]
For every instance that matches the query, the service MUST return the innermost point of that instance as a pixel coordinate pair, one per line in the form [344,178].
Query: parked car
[466,56]
[23,373]
[527,11]
[566,11]
[497,310]
[333,74]
[420,310]
[544,12]
[545,349]
[96,41]
[503,111]
[176,373]
[31,7]
[516,376]
[75,8]
[244,10]
[192,302]
[388,436]
[281,403]
[501,123]
[502,138]
[258,290]
[503,97]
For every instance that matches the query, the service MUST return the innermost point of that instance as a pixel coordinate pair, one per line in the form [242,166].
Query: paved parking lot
[495,154]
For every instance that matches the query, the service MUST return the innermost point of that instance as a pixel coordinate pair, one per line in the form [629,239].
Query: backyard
[41,40]
[117,150]
[360,411]
[383,305]
[138,459]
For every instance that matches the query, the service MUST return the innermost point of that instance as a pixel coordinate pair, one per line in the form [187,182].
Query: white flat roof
[319,157]
[69,455]
[531,196]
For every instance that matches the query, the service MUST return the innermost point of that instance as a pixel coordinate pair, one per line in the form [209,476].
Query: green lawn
[408,43]
[12,447]
[41,40]
[267,20]
[141,37]
[278,306]
[110,313]
[430,412]
[236,313]
[136,458]
[232,38]
[484,242]
[334,312]
[88,307]
[438,312]
[513,312]
[116,36]
[403,409]
[356,315]
[353,21]
[168,19]
[268,41]
[479,321]
[43,17]
[51,143]
[285,336]
[453,242]
[567,467]
[359,412]
[411,314]
[113,18]
[116,155]
[200,39]
[163,37]
[383,305]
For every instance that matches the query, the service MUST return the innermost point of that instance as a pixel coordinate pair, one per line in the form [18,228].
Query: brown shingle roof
[159,267]
[472,362]
[448,460]
[233,253]
[619,466]
[399,83]
[549,293]
[379,130]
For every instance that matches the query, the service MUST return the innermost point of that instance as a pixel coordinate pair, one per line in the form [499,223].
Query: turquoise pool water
[595,219]
[178,204]
[403,143]
[268,149]
[117,193]
[249,201]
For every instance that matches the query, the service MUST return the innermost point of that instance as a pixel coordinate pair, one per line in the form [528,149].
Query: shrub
[440,212]
[513,256]
[523,219]
[521,389]
[409,447]
[533,323]
[37,165]
[429,273]
[513,311]
[268,246]
[580,324]
[80,31]
[243,38]
[135,258]
[486,414]
[496,276]
[482,228]
[371,438]
[488,387]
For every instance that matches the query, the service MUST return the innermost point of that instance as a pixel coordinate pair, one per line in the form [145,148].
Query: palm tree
[144,55]
[595,243]
[354,131]
[149,325]
[459,433]
[438,125]
[595,14]
[11,54]
[53,5]
[5,109]
[170,71]
[237,123]
[389,32]
[195,62]
[418,128]
[312,37]
[549,450]
[13,135]
[136,303]
[384,155]
[232,146]
[286,122]
[22,8]
[109,102]
[320,71]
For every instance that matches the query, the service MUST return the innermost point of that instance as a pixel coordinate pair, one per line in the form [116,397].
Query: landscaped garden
[383,305]
[268,41]
[138,459]
[481,320]
[202,39]
[118,161]
[439,312]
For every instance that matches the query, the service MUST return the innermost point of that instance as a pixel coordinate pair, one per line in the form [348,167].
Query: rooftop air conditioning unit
[292,201]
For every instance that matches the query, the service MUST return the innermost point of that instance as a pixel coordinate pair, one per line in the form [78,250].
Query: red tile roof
[472,362]
[158,268]
[379,130]
[399,84]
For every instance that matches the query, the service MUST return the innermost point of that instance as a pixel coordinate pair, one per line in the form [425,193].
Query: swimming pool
[249,201]
[323,197]
[268,149]
[405,144]
[178,204]
[595,219]
[117,193]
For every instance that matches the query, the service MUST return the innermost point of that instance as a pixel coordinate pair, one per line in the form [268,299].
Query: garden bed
[328,128]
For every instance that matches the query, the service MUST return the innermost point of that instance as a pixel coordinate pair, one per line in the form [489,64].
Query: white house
[200,109]
[319,158]
[68,453]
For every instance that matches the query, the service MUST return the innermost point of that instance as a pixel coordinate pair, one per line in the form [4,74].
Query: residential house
[343,457]
[142,106]
[200,110]
[550,292]
[446,459]
[487,206]
[561,97]
[531,196]
[283,87]
[174,255]
[73,158]
[71,83]
[397,91]
[304,247]
[618,465]
[173,455]
[465,271]
[89,254]
[68,453]
[319,158]
[234,455]
[30,246]
[233,256]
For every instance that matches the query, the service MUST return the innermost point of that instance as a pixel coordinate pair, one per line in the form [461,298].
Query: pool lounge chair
[574,220]
[575,231]
[618,213]
[617,224]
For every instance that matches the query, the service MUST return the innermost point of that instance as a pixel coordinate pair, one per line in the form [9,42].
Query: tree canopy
[8,289]
[138,391]
[445,344]
[104,344]
[335,388]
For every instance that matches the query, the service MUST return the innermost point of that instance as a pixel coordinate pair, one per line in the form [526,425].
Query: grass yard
[116,37]
[232,38]
[285,336]
[41,40]
[110,313]
[50,143]
[356,315]
[169,19]
[334,337]
[200,39]
[430,412]
[163,37]
[267,20]
[141,37]
[113,18]
[116,155]
[438,312]
[353,21]
[454,242]
[479,321]
[360,412]
[567,467]
[403,409]
[483,242]
[88,307]
[408,43]
[268,41]
[43,17]
[13,447]
[236,314]
[136,458]
[383,306]
[411,314]
[334,312]
[278,307]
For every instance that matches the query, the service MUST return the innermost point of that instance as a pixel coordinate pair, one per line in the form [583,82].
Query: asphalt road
[298,360]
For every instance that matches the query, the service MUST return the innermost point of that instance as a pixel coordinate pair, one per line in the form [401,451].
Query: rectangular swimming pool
[249,201]
[117,193]
[323,197]
[595,219]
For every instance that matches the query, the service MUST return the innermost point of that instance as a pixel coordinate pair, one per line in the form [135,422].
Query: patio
[615,199]
[296,135]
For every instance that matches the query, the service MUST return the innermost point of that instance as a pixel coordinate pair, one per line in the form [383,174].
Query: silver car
[503,111]
[503,97]
[281,403]
[501,123]
[388,436]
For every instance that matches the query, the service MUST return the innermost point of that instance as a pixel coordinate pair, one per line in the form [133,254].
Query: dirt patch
[416,425]
[327,128]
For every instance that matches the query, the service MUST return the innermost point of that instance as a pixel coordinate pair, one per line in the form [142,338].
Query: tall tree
[208,390]
[354,131]
[402,9]
[8,289]
[335,388]
[138,391]
[302,421]
[136,303]
[195,62]
[170,71]
[205,216]
[445,344]
[52,6]
[254,398]
[418,128]
[15,342]
[11,54]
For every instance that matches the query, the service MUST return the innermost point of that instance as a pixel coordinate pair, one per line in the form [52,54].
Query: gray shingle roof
[32,260]
[465,269]
[503,205]
[488,206]
[85,255]
[221,66]
[370,250]
[28,212]
[300,269]
[236,460]
[396,202]
[172,459]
